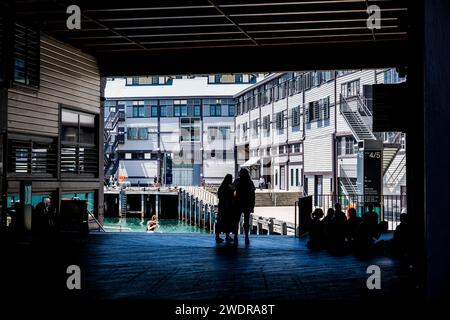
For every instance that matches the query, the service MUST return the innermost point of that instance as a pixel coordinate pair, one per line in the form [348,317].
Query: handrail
[343,174]
[96,221]
[392,180]
[108,119]
[344,107]
[202,194]
[364,108]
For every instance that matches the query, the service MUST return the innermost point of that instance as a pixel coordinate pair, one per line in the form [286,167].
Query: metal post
[295,219]
[157,206]
[142,206]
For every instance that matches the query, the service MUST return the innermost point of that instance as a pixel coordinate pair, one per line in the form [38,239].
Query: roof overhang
[136,37]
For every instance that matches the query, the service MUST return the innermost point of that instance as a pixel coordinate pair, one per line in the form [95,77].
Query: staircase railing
[343,175]
[345,107]
[94,219]
[393,178]
[362,107]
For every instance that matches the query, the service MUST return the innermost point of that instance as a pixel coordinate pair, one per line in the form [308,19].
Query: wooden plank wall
[67,76]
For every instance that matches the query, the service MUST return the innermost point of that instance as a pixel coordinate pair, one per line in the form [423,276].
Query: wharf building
[300,131]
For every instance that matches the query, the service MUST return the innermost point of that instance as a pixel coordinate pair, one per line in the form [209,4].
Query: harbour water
[140,225]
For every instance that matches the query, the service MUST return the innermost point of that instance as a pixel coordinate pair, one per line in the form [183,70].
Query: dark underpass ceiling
[144,37]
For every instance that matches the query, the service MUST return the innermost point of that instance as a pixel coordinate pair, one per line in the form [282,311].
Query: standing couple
[235,198]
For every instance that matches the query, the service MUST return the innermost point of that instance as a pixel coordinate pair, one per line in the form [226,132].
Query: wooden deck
[178,267]
[163,266]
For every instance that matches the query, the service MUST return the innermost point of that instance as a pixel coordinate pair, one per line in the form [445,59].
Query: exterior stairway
[263,199]
[358,126]
[396,170]
[351,111]
[123,203]
[111,142]
[347,184]
[282,199]
[276,199]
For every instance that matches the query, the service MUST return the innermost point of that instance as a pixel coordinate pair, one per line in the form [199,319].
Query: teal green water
[138,225]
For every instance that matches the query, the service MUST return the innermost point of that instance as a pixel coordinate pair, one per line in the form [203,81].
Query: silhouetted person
[368,232]
[402,237]
[371,219]
[316,230]
[337,229]
[327,225]
[352,224]
[245,201]
[225,209]
[39,218]
[19,220]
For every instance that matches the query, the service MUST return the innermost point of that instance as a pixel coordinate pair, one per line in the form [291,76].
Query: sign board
[369,171]
[373,179]
[389,107]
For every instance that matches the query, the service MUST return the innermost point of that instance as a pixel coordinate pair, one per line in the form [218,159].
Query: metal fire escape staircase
[110,144]
[359,119]
[394,163]
[358,116]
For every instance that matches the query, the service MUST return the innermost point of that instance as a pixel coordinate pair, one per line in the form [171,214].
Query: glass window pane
[87,129]
[69,126]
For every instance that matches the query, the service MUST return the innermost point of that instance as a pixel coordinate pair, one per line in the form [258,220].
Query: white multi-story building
[177,129]
[301,131]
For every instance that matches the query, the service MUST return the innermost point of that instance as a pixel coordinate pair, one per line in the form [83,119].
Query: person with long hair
[245,201]
[225,208]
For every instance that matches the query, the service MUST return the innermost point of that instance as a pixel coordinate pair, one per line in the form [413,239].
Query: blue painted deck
[183,266]
[191,267]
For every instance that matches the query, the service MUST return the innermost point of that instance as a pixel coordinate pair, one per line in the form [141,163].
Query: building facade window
[231,110]
[197,111]
[79,142]
[189,129]
[266,125]
[280,120]
[255,128]
[137,133]
[26,55]
[318,110]
[295,117]
[297,148]
[349,145]
[351,88]
[318,190]
[215,110]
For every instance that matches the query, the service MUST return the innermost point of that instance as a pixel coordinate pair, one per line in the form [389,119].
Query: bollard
[270,226]
[284,228]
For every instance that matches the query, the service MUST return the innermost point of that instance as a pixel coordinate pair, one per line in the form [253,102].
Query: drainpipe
[334,141]
[287,140]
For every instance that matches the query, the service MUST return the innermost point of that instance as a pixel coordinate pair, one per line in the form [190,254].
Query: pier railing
[388,207]
[198,207]
[203,195]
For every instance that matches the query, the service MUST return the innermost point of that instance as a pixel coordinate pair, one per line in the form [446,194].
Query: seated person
[316,230]
[152,224]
